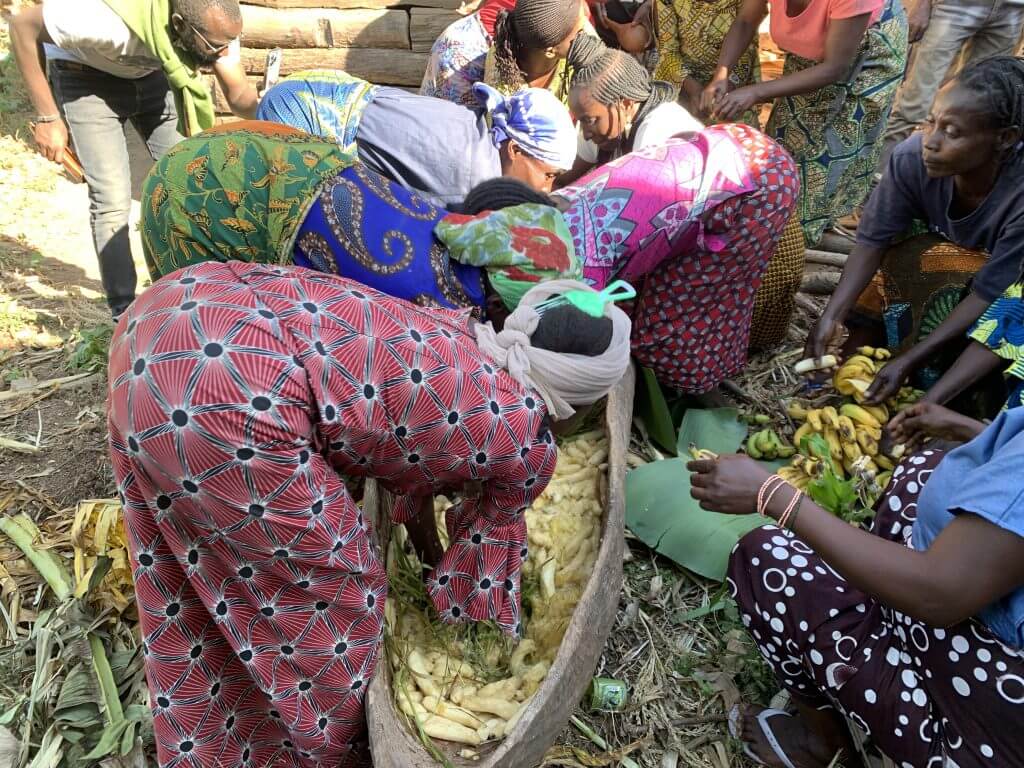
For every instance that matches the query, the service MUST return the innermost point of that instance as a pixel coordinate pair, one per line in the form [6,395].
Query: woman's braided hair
[999,81]
[531,25]
[498,193]
[609,74]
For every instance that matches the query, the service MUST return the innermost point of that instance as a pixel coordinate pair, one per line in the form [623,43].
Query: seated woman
[914,631]
[617,105]
[240,397]
[692,223]
[428,145]
[261,191]
[458,56]
[962,178]
[996,339]
[844,61]
[530,46]
[690,36]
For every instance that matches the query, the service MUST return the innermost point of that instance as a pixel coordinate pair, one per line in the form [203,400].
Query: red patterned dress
[239,395]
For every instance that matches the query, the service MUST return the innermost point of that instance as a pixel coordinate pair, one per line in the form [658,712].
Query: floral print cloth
[239,191]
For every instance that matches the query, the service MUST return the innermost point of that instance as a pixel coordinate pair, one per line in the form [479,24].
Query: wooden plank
[426,24]
[324,28]
[343,4]
[378,65]
[391,742]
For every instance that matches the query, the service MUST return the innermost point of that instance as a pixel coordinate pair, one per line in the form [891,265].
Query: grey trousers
[960,32]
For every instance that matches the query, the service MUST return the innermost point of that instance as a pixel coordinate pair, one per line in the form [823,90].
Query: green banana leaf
[652,408]
[661,512]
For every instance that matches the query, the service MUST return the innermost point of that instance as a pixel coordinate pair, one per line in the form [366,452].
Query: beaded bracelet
[769,487]
[792,520]
[784,517]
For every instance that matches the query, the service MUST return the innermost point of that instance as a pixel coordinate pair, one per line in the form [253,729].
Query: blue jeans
[96,107]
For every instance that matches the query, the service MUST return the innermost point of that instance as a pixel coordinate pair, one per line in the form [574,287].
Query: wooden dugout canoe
[392,742]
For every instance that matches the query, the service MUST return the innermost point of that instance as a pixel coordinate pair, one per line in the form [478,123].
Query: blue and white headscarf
[535,120]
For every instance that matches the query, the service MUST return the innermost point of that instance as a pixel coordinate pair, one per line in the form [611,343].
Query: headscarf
[519,247]
[327,103]
[535,119]
[561,379]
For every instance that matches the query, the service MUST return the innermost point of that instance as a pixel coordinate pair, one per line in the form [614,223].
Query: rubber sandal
[762,720]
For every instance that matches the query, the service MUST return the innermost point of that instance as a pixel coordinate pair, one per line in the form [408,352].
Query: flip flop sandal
[762,720]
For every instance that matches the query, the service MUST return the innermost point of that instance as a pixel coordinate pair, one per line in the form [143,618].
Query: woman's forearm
[896,576]
[735,43]
[974,363]
[806,81]
[861,266]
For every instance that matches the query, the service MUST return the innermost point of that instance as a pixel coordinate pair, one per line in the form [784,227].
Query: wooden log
[345,4]
[819,283]
[426,24]
[836,243]
[378,65]
[825,257]
[324,28]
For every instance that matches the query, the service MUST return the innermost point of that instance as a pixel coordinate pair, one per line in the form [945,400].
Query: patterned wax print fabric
[692,223]
[834,133]
[1001,329]
[369,229]
[240,395]
[690,34]
[518,246]
[928,697]
[921,281]
[235,192]
[456,62]
[322,102]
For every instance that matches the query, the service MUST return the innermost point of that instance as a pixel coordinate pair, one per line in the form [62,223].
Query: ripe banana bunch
[852,433]
[767,444]
[854,376]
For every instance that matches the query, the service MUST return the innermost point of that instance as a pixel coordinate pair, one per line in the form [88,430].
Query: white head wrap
[562,380]
[535,119]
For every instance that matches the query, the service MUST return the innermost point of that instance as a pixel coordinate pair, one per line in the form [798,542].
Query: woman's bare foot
[805,746]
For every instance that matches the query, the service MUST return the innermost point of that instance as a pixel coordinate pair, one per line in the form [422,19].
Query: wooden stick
[825,257]
[17,446]
[55,383]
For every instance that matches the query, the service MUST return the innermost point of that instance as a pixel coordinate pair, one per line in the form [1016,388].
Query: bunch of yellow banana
[767,444]
[852,432]
[853,378]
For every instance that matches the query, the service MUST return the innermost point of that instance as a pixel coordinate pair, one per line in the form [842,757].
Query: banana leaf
[651,407]
[661,512]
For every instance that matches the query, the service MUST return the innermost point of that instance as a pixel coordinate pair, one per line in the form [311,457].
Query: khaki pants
[959,33]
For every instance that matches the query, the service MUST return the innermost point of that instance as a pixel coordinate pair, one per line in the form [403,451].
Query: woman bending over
[241,396]
[428,145]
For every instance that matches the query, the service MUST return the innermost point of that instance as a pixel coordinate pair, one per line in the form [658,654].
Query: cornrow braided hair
[531,25]
[611,75]
[999,81]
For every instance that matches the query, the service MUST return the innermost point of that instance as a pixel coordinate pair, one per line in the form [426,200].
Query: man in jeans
[103,74]
[942,31]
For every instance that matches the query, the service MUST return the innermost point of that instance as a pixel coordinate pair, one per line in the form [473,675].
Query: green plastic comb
[591,302]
